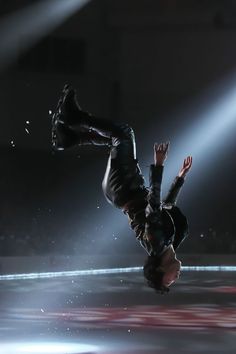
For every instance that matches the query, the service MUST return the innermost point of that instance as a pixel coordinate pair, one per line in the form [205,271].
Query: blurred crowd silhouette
[42,243]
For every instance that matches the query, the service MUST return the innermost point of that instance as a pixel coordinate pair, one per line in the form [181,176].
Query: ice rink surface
[119,314]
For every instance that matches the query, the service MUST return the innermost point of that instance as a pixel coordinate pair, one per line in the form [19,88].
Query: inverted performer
[160,226]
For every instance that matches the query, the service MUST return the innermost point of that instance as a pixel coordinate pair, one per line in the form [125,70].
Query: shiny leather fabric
[123,180]
[152,220]
[156,224]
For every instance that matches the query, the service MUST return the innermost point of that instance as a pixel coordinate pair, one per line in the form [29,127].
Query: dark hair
[153,275]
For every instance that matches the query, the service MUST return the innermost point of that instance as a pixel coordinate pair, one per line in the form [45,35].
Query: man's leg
[123,179]
[71,120]
[65,138]
[123,175]
[69,113]
[71,126]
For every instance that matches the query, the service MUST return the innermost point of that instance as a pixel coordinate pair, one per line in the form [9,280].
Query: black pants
[123,180]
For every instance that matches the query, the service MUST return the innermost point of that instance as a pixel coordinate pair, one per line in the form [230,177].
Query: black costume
[156,224]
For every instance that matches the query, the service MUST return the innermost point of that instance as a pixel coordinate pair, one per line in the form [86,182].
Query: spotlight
[212,123]
[29,25]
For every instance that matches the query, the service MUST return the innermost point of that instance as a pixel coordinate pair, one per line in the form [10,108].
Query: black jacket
[157,224]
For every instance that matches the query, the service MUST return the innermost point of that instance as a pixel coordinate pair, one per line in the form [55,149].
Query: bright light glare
[212,119]
[26,276]
[47,348]
[24,28]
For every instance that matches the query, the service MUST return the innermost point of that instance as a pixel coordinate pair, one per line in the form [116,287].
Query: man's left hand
[160,153]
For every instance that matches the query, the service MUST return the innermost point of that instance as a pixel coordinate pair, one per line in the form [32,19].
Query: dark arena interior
[71,268]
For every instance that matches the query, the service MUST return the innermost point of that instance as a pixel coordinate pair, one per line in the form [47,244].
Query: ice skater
[159,225]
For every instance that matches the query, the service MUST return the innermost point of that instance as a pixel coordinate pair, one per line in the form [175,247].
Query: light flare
[24,28]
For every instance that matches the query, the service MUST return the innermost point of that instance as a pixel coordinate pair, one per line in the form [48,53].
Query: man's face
[172,273]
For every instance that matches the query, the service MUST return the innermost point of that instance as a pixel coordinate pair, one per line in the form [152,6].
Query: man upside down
[159,225]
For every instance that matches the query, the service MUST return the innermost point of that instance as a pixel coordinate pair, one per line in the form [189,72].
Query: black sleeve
[154,195]
[153,225]
[173,193]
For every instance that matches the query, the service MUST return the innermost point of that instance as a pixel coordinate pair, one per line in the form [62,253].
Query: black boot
[70,114]
[63,137]
[68,110]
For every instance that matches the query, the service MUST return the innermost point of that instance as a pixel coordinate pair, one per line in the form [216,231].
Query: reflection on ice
[47,348]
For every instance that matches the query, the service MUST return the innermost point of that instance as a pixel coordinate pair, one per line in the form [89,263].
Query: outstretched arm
[187,164]
[153,227]
[155,177]
[160,153]
[172,195]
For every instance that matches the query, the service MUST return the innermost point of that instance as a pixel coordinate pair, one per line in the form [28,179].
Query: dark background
[144,62]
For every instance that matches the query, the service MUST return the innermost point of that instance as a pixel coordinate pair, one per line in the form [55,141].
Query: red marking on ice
[145,316]
[225,289]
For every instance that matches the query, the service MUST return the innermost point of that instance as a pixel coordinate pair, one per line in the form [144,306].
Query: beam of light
[210,120]
[22,29]
[74,273]
[47,348]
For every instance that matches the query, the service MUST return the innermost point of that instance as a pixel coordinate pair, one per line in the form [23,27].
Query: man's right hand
[187,164]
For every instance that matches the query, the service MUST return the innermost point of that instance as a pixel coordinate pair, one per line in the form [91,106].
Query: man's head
[162,271]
